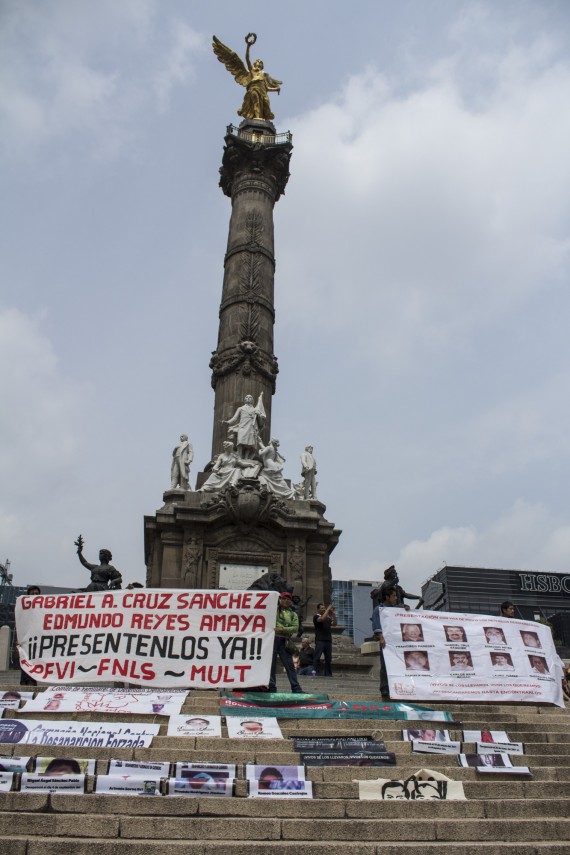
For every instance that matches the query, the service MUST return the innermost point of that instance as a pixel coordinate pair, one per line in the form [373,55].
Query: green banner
[276,699]
[331,709]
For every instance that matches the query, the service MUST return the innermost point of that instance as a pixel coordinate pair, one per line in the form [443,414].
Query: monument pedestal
[228,539]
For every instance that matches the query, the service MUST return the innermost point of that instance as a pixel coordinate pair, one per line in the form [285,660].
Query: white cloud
[178,65]
[38,417]
[527,536]
[88,72]
[444,215]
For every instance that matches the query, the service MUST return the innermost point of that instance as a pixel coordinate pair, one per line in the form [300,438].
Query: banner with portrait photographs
[277,782]
[467,657]
[113,701]
[253,728]
[494,764]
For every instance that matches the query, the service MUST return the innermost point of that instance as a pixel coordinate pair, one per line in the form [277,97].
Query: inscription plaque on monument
[238,577]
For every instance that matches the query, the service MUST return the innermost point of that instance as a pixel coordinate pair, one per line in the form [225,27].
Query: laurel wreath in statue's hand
[250,39]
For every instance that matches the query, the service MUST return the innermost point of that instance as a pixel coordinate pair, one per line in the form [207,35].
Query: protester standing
[389,600]
[286,627]
[323,621]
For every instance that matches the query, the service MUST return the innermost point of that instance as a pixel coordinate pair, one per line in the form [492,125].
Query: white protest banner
[469,657]
[251,728]
[115,701]
[52,784]
[105,734]
[293,789]
[128,785]
[6,781]
[161,638]
[201,784]
[139,768]
[194,725]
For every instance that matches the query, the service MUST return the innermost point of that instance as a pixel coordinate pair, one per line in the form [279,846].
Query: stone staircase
[501,815]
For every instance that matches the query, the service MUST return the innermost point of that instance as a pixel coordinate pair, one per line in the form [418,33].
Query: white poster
[8,763]
[155,637]
[426,734]
[194,725]
[293,789]
[423,747]
[217,771]
[497,764]
[114,701]
[252,728]
[64,766]
[128,785]
[269,774]
[139,768]
[469,657]
[6,781]
[79,734]
[200,785]
[499,748]
[488,736]
[11,700]
[52,784]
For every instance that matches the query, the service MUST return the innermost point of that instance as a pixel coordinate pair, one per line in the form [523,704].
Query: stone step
[55,846]
[357,829]
[478,804]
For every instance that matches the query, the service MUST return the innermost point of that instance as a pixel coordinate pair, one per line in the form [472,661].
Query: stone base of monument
[229,538]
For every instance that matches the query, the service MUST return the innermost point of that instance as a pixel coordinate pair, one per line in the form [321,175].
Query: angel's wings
[232,62]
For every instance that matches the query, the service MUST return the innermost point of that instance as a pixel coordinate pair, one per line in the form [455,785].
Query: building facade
[353,604]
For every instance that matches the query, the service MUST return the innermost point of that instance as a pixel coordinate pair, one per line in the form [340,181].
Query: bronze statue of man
[104,577]
[256,81]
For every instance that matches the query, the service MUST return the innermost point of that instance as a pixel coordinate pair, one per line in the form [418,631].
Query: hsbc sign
[544,583]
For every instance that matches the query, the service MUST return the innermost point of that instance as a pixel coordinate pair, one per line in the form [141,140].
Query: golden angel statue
[256,102]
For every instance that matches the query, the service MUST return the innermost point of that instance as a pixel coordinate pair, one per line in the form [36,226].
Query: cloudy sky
[423,259]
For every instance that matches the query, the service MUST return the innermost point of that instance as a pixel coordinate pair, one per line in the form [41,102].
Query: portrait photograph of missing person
[460,660]
[426,735]
[494,635]
[538,665]
[455,634]
[475,760]
[416,660]
[502,661]
[412,632]
[530,639]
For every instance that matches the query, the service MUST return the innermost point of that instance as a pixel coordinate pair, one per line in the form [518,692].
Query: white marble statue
[182,457]
[272,473]
[245,425]
[309,471]
[225,472]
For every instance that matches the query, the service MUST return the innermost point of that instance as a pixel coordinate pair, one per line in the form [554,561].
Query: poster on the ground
[470,657]
[280,789]
[6,781]
[63,766]
[156,637]
[31,783]
[249,727]
[200,784]
[113,701]
[128,785]
[195,725]
[139,768]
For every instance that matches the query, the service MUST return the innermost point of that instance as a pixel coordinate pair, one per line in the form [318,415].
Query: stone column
[254,173]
